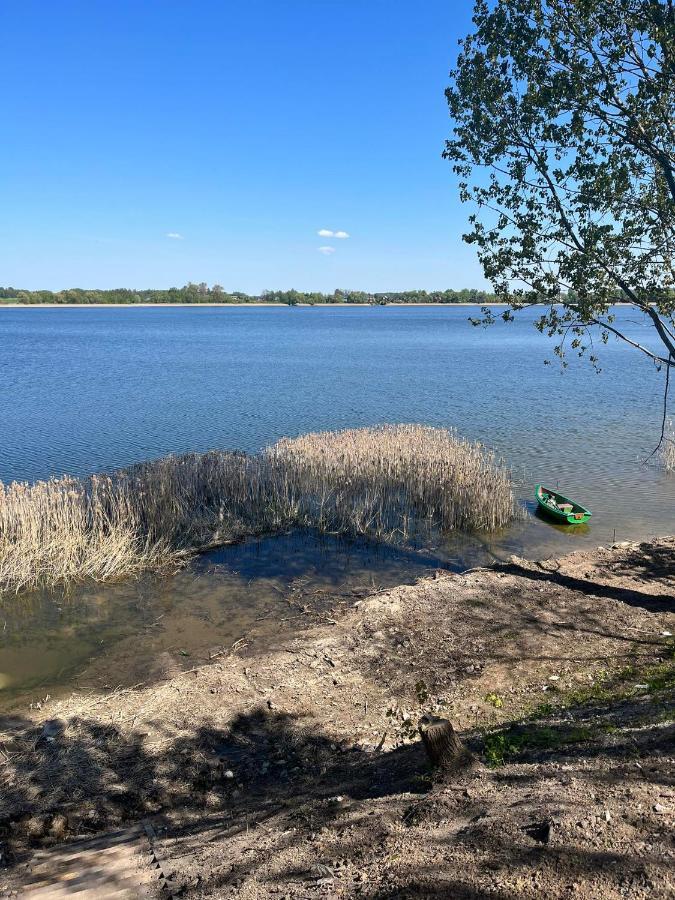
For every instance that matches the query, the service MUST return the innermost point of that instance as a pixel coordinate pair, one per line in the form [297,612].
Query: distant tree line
[202,293]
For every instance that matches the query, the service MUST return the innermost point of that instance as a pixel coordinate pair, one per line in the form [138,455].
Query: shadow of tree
[209,786]
[649,563]
[60,782]
[506,855]
[649,601]
[524,629]
[624,730]
[213,792]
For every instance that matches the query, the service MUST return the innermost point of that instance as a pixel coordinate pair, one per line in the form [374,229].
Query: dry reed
[667,450]
[393,481]
[389,483]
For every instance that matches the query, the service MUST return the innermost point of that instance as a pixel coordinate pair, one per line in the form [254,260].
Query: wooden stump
[443,747]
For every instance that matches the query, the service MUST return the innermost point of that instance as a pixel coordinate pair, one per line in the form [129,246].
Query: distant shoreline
[258,305]
[226,305]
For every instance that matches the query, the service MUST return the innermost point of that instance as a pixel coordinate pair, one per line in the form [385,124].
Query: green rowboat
[560,508]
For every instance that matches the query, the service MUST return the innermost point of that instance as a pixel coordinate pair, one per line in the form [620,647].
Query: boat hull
[576,515]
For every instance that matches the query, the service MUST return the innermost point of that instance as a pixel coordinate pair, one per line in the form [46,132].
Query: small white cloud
[326,232]
[326,250]
[174,236]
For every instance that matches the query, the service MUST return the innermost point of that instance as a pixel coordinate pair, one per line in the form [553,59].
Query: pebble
[52,729]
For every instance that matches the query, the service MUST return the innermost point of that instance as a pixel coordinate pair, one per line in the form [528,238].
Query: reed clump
[667,449]
[389,483]
[393,481]
[67,530]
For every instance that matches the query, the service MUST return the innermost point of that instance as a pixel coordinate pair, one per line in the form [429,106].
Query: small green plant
[422,692]
[495,700]
[661,678]
[541,711]
[608,728]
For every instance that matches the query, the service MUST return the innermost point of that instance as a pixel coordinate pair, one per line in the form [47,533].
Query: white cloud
[174,235]
[326,250]
[326,232]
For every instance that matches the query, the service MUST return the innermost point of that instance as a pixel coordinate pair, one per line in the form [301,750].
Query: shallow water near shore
[103,388]
[96,637]
[102,637]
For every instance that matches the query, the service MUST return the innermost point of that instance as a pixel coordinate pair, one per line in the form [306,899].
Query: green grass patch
[502,746]
[655,682]
[620,685]
[612,686]
[661,678]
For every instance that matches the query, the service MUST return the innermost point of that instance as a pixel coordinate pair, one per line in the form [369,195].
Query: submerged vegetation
[390,483]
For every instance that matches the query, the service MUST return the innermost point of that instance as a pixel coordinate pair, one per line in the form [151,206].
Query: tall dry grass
[389,483]
[148,517]
[393,481]
[64,530]
[667,451]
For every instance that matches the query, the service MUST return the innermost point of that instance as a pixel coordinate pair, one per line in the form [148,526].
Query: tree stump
[443,747]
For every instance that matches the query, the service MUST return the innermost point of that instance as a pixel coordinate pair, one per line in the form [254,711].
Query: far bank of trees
[202,293]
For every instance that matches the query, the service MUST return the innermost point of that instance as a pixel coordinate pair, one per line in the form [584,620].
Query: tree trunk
[444,748]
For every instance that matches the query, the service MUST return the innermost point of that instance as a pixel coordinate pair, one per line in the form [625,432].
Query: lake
[86,390]
[92,389]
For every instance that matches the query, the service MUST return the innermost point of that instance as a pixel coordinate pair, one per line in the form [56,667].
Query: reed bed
[392,483]
[67,530]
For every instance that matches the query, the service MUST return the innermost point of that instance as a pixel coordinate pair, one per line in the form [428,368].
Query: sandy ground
[298,772]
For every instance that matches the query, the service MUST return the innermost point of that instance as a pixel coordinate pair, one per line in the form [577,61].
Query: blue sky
[241,128]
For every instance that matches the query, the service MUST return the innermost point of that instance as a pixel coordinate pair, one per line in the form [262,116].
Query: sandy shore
[297,771]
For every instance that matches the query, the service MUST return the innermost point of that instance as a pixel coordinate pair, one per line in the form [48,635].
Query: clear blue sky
[241,128]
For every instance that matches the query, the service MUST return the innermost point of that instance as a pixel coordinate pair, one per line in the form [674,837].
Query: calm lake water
[86,390]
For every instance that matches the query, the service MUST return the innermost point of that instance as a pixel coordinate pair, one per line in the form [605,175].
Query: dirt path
[118,866]
[298,773]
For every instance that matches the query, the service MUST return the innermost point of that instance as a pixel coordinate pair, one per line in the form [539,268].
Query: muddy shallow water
[100,637]
[107,636]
